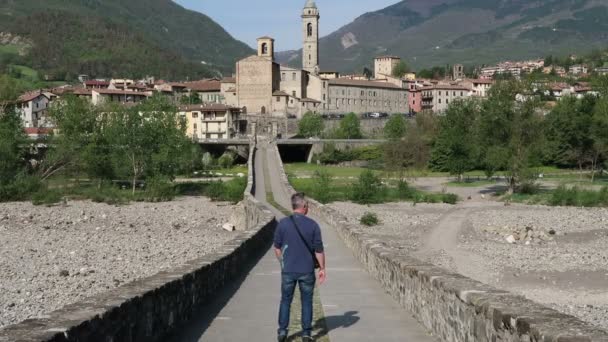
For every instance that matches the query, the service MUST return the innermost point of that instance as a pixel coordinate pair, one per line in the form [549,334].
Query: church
[265,88]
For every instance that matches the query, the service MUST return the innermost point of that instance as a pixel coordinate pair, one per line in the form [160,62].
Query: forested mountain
[102,38]
[436,32]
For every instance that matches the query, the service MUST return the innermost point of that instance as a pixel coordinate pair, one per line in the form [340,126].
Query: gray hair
[298,201]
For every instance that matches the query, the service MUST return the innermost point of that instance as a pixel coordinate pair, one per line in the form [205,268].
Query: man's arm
[278,253]
[321,260]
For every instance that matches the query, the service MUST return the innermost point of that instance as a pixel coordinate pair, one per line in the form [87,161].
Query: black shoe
[282,338]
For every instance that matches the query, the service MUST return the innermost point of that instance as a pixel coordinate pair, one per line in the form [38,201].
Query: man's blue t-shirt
[296,256]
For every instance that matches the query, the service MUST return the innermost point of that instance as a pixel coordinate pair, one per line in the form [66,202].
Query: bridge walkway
[355,306]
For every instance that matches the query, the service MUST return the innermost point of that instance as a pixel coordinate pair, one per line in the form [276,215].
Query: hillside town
[220,108]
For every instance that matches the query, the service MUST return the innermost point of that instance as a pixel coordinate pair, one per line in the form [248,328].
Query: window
[461,93]
[454,93]
[293,76]
[264,49]
[293,93]
[310,57]
[343,92]
[323,97]
[348,101]
[439,100]
[283,77]
[195,127]
[414,102]
[324,85]
[278,99]
[362,93]
[309,28]
[447,101]
[375,94]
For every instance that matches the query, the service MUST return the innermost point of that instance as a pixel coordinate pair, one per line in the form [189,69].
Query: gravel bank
[54,256]
[404,225]
[557,256]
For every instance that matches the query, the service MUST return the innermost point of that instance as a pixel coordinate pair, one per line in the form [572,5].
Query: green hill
[437,32]
[105,38]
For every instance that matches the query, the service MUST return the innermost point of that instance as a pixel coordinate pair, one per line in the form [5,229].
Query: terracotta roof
[97,83]
[446,87]
[210,85]
[388,57]
[484,81]
[27,97]
[37,130]
[118,92]
[229,80]
[81,91]
[207,107]
[280,93]
[306,99]
[362,83]
[137,86]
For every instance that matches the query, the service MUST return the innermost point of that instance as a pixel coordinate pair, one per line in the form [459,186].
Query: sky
[247,20]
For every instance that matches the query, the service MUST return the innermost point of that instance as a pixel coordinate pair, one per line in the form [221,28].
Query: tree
[455,149]
[513,126]
[12,140]
[80,146]
[569,132]
[369,189]
[350,128]
[193,98]
[548,61]
[311,125]
[395,128]
[600,128]
[9,91]
[400,69]
[146,139]
[367,73]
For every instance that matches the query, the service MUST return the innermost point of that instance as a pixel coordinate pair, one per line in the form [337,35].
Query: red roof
[37,130]
[229,80]
[27,97]
[97,83]
[207,107]
[205,85]
[361,83]
[118,92]
[81,91]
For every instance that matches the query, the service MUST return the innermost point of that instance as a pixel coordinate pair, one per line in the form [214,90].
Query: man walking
[298,246]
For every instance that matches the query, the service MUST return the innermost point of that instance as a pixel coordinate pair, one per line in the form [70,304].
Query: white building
[33,109]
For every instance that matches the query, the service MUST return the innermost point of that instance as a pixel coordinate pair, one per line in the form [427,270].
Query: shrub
[578,197]
[450,198]
[21,189]
[159,189]
[231,191]
[226,161]
[47,197]
[370,219]
[322,186]
[404,191]
[368,189]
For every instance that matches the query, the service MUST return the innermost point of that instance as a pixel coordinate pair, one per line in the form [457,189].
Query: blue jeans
[306,281]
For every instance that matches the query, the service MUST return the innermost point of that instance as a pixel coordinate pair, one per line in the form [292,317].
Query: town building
[458,72]
[479,87]
[212,121]
[437,98]
[578,69]
[265,88]
[96,84]
[384,66]
[209,91]
[33,109]
[101,96]
[602,71]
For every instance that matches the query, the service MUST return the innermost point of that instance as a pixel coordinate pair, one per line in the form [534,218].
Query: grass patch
[10,49]
[564,196]
[470,184]
[341,190]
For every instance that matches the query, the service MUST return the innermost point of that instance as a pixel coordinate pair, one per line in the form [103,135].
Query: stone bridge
[374,292]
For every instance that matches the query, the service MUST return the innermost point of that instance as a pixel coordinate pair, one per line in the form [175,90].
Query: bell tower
[310,24]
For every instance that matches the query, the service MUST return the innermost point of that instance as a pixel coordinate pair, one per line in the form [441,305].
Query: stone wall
[369,127]
[451,306]
[150,309]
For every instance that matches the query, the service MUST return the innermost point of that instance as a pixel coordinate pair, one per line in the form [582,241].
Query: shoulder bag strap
[293,220]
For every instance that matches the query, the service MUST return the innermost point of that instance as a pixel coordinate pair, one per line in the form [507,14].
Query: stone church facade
[265,88]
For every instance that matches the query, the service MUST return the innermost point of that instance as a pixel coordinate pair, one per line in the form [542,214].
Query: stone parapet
[453,307]
[152,308]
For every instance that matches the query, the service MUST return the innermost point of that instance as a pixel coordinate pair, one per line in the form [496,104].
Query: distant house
[95,84]
[437,98]
[578,69]
[33,109]
[479,87]
[602,71]
[211,121]
[100,96]
[208,90]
